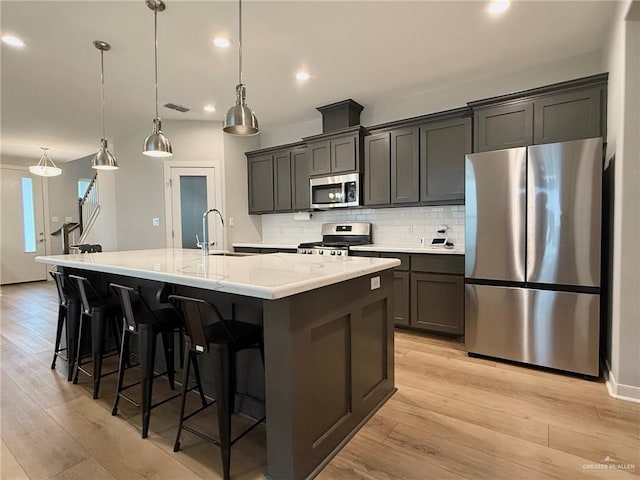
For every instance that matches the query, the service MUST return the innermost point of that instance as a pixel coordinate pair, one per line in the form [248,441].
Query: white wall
[239,225]
[623,125]
[139,183]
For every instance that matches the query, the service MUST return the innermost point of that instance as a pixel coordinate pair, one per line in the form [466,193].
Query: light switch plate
[68,219]
[55,219]
[375,283]
[156,221]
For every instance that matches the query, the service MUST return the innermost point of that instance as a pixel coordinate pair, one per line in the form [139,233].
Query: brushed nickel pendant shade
[240,119]
[45,166]
[157,144]
[103,160]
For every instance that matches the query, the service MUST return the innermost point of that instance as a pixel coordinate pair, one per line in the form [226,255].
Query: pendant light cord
[155,27]
[102,83]
[240,42]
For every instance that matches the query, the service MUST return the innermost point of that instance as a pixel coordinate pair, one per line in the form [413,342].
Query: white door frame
[45,206]
[219,194]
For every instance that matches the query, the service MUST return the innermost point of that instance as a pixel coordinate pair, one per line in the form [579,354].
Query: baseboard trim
[628,393]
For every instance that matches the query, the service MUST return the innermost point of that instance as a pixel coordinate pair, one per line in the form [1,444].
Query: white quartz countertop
[270,276]
[404,249]
[371,248]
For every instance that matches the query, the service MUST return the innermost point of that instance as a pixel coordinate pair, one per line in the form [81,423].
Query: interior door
[22,237]
[193,191]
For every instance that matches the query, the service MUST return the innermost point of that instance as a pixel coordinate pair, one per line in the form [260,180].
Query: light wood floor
[453,417]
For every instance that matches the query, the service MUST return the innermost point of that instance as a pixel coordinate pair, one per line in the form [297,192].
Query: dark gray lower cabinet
[428,291]
[438,302]
[401,296]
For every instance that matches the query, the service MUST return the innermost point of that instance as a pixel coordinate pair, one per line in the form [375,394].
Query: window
[83,184]
[28,215]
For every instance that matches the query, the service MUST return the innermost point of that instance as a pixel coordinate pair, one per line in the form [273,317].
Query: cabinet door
[299,179]
[437,302]
[401,288]
[567,116]
[343,154]
[282,180]
[377,169]
[503,126]
[260,172]
[443,147]
[319,157]
[404,165]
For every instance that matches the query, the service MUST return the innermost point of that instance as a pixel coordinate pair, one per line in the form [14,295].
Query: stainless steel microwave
[335,191]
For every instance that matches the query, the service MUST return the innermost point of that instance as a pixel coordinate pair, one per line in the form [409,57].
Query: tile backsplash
[390,226]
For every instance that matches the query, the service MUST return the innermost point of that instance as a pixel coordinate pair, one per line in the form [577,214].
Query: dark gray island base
[329,367]
[328,349]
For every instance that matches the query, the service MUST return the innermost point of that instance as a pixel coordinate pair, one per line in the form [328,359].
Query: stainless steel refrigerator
[532,254]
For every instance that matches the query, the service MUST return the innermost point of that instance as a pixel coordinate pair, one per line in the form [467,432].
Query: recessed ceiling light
[221,42]
[210,109]
[13,41]
[302,76]
[499,6]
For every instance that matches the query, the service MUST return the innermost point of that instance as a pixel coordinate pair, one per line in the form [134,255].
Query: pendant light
[45,166]
[156,144]
[240,119]
[103,160]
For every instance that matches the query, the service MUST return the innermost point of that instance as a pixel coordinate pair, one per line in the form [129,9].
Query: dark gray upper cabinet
[377,169]
[337,152]
[319,157]
[282,180]
[564,111]
[443,145]
[278,179]
[404,165]
[504,126]
[260,173]
[299,179]
[567,116]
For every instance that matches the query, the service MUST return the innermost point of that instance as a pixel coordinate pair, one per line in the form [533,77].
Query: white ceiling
[365,50]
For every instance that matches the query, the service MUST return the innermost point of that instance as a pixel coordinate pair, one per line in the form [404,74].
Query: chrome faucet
[204,245]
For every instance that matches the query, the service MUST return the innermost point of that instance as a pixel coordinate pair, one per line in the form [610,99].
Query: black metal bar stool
[208,331]
[100,308]
[146,324]
[68,315]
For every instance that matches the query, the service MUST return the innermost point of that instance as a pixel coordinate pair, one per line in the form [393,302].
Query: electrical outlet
[375,283]
[68,219]
[232,221]
[55,219]
[155,222]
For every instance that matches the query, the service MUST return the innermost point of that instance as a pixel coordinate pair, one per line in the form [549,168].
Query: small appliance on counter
[337,238]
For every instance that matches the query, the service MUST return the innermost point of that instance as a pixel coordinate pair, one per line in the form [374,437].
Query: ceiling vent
[179,108]
[340,115]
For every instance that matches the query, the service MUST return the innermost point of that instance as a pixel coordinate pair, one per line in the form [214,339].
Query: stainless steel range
[337,238]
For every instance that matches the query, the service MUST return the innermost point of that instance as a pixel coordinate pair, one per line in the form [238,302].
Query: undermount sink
[231,254]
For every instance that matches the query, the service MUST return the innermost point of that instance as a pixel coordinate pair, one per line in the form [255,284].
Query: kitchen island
[328,331]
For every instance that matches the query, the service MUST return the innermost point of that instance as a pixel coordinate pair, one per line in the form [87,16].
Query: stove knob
[320,252]
[340,252]
[333,253]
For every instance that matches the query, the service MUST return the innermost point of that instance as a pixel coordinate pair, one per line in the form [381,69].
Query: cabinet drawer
[403,257]
[452,264]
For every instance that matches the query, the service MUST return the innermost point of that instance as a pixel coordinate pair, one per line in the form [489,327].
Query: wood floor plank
[128,456]
[373,460]
[498,420]
[547,461]
[89,469]
[10,469]
[466,461]
[41,446]
[592,446]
